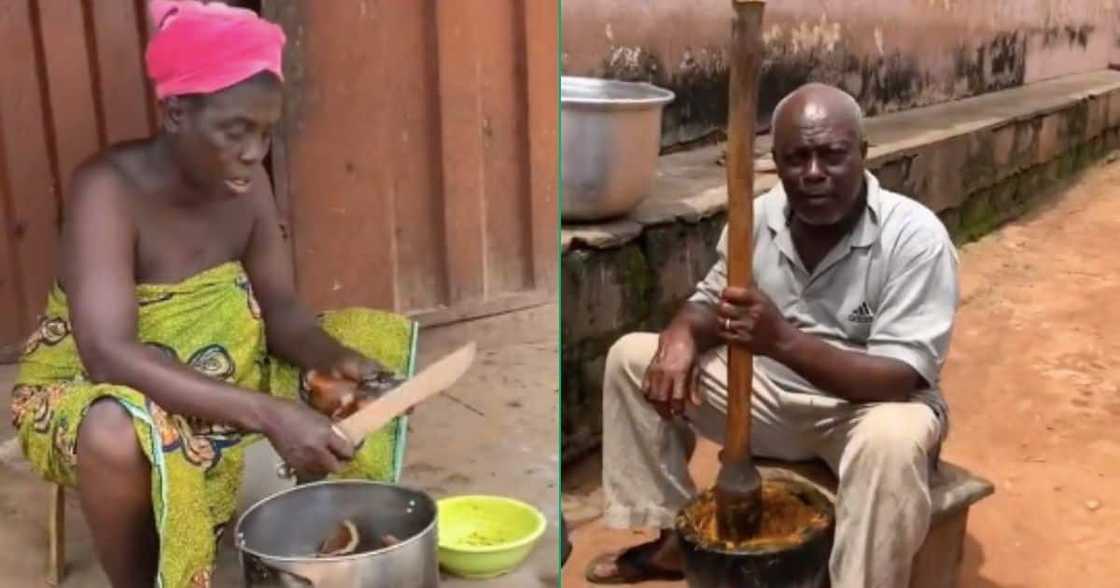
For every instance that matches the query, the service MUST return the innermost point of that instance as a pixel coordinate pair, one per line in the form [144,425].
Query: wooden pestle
[739,485]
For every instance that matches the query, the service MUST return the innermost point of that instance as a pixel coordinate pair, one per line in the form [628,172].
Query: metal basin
[278,536]
[611,138]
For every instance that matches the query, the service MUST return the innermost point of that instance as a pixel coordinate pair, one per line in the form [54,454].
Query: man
[849,319]
[176,307]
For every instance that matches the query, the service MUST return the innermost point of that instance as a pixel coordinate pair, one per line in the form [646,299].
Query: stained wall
[891,54]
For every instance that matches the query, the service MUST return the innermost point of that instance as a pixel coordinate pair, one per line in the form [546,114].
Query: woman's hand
[306,440]
[339,392]
[353,366]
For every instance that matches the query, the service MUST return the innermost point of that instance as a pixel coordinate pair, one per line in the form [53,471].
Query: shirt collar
[863,234]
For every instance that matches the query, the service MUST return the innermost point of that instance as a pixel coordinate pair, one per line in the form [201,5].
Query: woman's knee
[106,437]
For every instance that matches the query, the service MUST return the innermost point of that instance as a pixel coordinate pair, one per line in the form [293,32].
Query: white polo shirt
[889,288]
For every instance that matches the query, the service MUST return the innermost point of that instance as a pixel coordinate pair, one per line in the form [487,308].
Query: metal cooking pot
[611,134]
[278,537]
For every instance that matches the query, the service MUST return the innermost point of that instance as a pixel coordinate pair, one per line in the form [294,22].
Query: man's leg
[881,454]
[645,457]
[645,466]
[114,485]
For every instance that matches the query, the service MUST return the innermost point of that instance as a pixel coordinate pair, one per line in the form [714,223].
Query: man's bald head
[815,103]
[819,151]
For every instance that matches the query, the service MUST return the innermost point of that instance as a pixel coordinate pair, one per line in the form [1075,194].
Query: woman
[175,308]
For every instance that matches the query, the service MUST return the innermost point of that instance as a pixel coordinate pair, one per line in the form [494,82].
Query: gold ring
[727,324]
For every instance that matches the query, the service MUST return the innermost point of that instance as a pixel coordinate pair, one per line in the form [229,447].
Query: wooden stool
[56,535]
[953,491]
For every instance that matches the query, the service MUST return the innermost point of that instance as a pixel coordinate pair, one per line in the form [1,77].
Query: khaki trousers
[880,453]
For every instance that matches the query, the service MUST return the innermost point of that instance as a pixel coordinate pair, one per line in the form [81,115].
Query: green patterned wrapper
[211,322]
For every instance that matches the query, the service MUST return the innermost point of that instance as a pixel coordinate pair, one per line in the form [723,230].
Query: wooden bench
[953,489]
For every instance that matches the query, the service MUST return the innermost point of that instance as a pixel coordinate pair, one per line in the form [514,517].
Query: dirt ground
[1033,382]
[497,435]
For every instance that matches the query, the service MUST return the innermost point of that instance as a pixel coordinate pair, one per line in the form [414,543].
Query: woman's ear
[174,114]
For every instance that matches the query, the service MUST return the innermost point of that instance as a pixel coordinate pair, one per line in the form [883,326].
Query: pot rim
[657,96]
[239,539]
[806,539]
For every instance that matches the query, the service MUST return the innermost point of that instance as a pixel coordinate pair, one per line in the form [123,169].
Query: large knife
[432,380]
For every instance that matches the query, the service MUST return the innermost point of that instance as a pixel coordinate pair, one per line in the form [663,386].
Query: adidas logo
[862,314]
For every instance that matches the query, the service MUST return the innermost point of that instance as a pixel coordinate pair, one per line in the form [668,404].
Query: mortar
[783,555]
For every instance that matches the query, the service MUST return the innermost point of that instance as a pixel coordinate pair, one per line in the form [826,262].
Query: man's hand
[672,378]
[748,317]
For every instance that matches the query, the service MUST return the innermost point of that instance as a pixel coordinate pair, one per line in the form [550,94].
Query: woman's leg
[114,484]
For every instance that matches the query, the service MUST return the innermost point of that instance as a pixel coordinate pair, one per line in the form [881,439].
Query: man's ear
[863,145]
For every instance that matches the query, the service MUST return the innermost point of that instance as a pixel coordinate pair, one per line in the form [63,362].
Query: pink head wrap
[202,48]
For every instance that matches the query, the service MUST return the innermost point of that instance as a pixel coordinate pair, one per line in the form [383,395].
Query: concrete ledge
[1059,113]
[977,163]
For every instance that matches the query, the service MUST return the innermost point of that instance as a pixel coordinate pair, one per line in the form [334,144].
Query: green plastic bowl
[484,537]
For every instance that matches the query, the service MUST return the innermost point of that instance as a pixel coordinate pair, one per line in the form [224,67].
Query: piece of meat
[342,540]
[389,540]
[333,397]
[339,398]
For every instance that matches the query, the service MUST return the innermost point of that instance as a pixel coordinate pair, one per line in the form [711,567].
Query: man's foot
[656,560]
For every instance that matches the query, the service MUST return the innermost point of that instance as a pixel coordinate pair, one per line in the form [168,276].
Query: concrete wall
[891,54]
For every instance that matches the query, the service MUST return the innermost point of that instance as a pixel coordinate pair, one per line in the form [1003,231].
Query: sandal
[632,566]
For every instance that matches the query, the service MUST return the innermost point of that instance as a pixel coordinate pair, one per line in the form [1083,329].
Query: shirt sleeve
[709,289]
[914,321]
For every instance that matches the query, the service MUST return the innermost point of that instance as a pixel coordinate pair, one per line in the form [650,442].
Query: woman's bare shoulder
[109,177]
